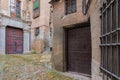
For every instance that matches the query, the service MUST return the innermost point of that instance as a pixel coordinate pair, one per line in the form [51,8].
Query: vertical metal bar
[117,60]
[117,13]
[102,22]
[101,37]
[106,23]
[118,3]
[111,39]
[106,19]
[111,19]
[111,59]
[106,11]
[102,40]
[101,55]
[117,37]
[106,57]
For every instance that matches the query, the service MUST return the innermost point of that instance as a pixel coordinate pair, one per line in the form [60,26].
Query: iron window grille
[18,9]
[70,6]
[110,40]
[37,31]
[15,8]
[12,8]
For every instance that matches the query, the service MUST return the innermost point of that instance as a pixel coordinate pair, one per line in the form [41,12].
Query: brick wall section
[60,20]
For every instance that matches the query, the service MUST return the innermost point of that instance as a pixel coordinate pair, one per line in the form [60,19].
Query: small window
[37,31]
[12,8]
[70,6]
[18,9]
[36,8]
[15,8]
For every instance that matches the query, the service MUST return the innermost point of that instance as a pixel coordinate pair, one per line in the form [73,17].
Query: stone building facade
[40,27]
[78,27]
[14,27]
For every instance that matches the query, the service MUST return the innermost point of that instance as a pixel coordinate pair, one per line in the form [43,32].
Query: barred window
[70,6]
[15,8]
[110,40]
[18,9]
[37,31]
[12,8]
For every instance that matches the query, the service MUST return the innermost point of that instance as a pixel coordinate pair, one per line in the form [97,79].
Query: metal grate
[70,6]
[110,40]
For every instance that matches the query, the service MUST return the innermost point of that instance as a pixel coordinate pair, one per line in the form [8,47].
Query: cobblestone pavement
[28,67]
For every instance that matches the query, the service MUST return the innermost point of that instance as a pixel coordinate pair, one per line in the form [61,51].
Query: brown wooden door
[79,50]
[14,40]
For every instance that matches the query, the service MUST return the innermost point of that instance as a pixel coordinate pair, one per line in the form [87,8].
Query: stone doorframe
[8,21]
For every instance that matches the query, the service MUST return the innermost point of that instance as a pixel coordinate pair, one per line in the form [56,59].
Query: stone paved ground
[77,76]
[28,67]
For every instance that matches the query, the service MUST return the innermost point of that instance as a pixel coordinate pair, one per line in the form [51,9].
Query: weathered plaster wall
[43,23]
[61,21]
[5,7]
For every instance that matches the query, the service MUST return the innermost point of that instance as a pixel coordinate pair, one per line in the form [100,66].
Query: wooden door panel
[14,40]
[79,50]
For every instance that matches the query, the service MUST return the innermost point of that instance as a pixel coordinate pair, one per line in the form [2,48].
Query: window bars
[70,6]
[110,40]
[37,31]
